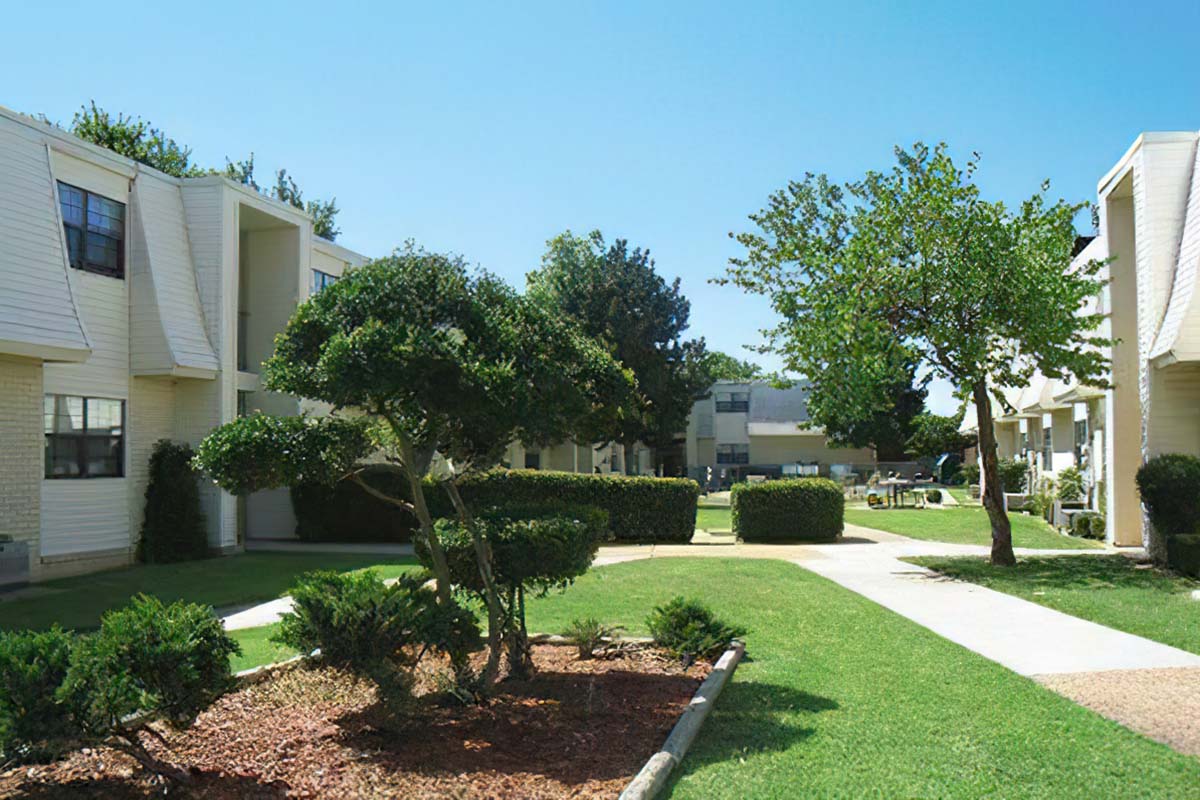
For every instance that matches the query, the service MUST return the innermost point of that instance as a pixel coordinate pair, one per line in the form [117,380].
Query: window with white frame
[85,437]
[94,227]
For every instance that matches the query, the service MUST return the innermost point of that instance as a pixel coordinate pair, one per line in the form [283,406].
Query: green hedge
[346,513]
[802,509]
[173,524]
[1170,487]
[639,509]
[1183,553]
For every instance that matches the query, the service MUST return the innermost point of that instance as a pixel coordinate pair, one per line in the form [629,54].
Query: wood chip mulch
[579,729]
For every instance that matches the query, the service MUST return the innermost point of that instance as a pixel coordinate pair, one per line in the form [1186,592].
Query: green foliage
[1088,525]
[889,427]
[913,265]
[1170,488]
[724,367]
[589,633]
[640,509]
[1070,484]
[935,434]
[379,630]
[169,660]
[688,629]
[618,298]
[173,526]
[801,509]
[345,512]
[135,138]
[323,212]
[933,495]
[1014,475]
[267,452]
[970,473]
[1041,500]
[1183,554]
[33,726]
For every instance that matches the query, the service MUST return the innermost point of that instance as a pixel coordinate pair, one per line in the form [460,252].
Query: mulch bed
[578,729]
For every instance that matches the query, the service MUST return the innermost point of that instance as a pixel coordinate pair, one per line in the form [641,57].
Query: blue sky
[488,128]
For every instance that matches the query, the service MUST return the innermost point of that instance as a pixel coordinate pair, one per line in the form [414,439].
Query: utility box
[14,564]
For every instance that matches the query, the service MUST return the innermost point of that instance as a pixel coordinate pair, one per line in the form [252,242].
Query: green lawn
[234,580]
[1105,589]
[961,494]
[963,526]
[714,518]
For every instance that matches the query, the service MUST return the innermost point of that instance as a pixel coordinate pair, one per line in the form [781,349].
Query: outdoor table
[897,487]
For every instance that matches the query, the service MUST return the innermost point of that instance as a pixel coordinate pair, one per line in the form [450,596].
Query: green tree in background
[913,264]
[886,425]
[935,434]
[617,297]
[724,367]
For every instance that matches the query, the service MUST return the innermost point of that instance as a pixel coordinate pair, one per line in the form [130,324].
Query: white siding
[105,310]
[151,416]
[1181,325]
[85,516]
[167,322]
[36,306]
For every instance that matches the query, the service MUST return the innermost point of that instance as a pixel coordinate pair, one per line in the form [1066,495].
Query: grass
[839,697]
[220,582]
[964,526]
[714,518]
[1106,589]
[961,494]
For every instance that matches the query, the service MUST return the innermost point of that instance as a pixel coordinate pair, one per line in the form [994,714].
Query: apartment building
[134,306]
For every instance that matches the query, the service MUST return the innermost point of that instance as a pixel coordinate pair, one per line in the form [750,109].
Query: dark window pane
[102,251]
[74,246]
[103,455]
[71,201]
[62,457]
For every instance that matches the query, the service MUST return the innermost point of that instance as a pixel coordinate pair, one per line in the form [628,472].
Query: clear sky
[488,128]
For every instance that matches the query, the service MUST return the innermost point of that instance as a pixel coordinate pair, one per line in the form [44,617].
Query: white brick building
[134,306]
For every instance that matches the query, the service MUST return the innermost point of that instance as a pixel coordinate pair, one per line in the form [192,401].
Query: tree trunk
[441,569]
[993,491]
[628,456]
[483,557]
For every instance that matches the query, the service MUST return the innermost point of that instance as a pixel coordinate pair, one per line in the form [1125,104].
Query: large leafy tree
[913,264]
[432,369]
[724,367]
[617,297]
[935,434]
[886,426]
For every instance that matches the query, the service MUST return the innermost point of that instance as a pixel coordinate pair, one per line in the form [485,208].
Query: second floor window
[732,401]
[321,279]
[733,454]
[95,231]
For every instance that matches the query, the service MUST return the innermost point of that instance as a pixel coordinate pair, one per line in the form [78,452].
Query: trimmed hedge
[801,509]
[345,512]
[1183,553]
[640,509]
[173,524]
[1170,487]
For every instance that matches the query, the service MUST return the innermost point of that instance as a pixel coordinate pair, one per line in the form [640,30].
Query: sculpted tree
[617,297]
[913,265]
[434,371]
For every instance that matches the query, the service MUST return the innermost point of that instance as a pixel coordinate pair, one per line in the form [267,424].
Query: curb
[654,774]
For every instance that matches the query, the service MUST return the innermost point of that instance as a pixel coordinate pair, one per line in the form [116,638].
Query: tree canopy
[936,434]
[617,297]
[913,265]
[724,367]
[886,427]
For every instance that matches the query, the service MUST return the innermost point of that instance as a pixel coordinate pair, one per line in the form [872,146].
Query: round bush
[1170,488]
[933,495]
[802,509]
[1013,475]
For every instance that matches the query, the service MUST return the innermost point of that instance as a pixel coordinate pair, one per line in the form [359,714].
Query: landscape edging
[653,776]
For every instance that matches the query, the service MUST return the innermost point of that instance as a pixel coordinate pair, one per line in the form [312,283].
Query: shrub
[970,473]
[639,508]
[32,667]
[1170,488]
[1013,475]
[173,526]
[687,629]
[1183,553]
[1088,525]
[1070,485]
[807,509]
[345,512]
[589,634]
[933,495]
[376,629]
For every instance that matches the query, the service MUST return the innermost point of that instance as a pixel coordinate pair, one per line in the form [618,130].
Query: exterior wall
[150,416]
[805,450]
[1176,407]
[21,446]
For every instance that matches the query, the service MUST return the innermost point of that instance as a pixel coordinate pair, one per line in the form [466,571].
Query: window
[733,454]
[1081,440]
[85,437]
[95,231]
[321,279]
[1047,449]
[732,401]
[533,460]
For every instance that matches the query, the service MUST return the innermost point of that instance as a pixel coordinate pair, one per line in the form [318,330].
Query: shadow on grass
[1059,572]
[203,784]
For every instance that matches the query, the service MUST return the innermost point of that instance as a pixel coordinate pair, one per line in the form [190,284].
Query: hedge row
[802,509]
[639,509]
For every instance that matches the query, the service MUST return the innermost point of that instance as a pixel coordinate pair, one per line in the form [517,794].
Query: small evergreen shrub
[1070,485]
[640,508]
[1170,488]
[970,473]
[589,634]
[687,629]
[33,664]
[1088,525]
[173,525]
[800,509]
[345,512]
[934,495]
[1183,553]
[1014,474]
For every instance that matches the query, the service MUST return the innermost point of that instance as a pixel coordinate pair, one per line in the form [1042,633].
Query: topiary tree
[913,264]
[172,524]
[420,358]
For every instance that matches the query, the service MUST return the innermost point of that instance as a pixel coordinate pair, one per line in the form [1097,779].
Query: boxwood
[803,509]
